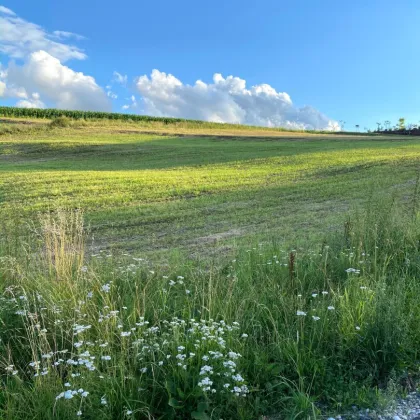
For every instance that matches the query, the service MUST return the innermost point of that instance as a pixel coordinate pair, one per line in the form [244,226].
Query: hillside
[197,188]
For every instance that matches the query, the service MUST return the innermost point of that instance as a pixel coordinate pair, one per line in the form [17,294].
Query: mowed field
[199,192]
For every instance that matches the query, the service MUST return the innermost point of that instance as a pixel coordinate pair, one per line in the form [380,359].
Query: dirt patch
[215,237]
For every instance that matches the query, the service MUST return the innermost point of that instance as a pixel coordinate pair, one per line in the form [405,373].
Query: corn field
[50,113]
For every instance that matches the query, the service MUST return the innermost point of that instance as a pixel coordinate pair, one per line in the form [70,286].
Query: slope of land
[197,189]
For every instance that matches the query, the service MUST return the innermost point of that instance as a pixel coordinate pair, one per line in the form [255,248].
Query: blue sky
[354,61]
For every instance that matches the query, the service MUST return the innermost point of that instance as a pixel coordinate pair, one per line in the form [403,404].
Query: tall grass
[290,332]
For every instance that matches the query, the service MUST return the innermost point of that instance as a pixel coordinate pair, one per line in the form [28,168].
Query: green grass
[199,248]
[151,193]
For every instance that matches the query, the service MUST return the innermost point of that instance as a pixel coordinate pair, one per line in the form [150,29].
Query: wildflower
[330,308]
[206,369]
[125,333]
[103,400]
[105,357]
[128,412]
[84,269]
[106,288]
[357,328]
[324,292]
[363,287]
[244,335]
[171,283]
[79,413]
[316,318]
[68,395]
[67,384]
[300,313]
[187,291]
[143,370]
[314,295]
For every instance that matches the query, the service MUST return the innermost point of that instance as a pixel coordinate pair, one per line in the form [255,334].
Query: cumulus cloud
[19,38]
[33,102]
[63,87]
[227,100]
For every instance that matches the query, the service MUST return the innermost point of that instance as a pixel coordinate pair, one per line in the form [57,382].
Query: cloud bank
[44,75]
[227,100]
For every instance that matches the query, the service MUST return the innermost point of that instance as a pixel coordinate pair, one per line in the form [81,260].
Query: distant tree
[387,124]
[357,127]
[409,127]
[342,124]
[379,126]
[401,124]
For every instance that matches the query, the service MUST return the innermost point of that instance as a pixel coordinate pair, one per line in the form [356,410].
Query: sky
[298,64]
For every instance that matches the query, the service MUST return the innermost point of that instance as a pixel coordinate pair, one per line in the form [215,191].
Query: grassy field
[196,273]
[151,193]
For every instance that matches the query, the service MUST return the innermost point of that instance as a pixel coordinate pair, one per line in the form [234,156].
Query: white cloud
[111,94]
[133,103]
[119,78]
[57,83]
[33,102]
[19,38]
[226,100]
[66,35]
[7,11]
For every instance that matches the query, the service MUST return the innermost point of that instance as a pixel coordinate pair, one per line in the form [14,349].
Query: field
[151,193]
[155,254]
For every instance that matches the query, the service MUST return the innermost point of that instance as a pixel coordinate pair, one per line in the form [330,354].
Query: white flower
[244,335]
[106,288]
[128,412]
[143,370]
[314,295]
[105,357]
[125,333]
[316,318]
[357,328]
[79,413]
[330,308]
[187,291]
[171,283]
[84,269]
[67,384]
[68,395]
[300,313]
[325,292]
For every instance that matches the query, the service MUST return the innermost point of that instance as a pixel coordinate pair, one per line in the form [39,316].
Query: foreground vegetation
[280,331]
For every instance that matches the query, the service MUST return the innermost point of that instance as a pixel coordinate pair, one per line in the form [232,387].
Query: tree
[379,126]
[342,124]
[357,127]
[387,124]
[401,124]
